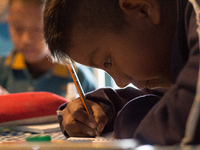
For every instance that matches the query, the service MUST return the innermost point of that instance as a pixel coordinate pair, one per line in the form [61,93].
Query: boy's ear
[145,8]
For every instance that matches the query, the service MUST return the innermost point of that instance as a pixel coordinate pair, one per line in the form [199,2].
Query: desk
[15,140]
[11,135]
[59,142]
[83,146]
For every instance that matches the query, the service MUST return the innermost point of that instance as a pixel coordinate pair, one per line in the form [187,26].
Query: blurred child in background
[28,68]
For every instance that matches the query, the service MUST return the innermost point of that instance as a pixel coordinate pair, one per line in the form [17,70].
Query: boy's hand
[3,91]
[77,122]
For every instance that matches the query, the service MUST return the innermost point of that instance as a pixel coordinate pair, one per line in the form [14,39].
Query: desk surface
[15,140]
[66,145]
[12,135]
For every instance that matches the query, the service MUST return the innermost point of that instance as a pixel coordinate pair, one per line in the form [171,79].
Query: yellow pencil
[78,86]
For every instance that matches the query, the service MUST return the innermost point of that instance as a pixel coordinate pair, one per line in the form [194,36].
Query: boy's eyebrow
[91,57]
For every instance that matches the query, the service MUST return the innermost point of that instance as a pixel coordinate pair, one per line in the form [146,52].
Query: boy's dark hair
[61,15]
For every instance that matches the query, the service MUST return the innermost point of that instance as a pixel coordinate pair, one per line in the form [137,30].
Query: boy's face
[26,30]
[139,54]
[136,55]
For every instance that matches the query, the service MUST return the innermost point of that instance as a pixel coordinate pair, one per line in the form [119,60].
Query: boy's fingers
[79,123]
[79,129]
[77,111]
[74,127]
[99,116]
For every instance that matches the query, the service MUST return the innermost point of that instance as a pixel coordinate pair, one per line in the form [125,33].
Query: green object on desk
[40,138]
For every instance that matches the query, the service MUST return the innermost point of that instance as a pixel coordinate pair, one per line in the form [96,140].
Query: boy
[150,43]
[29,68]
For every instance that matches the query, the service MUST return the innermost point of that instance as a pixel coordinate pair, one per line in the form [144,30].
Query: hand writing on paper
[77,122]
[3,91]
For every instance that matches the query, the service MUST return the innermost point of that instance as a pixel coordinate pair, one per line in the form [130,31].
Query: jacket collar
[16,61]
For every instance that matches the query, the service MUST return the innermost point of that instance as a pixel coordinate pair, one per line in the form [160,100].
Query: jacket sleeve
[111,102]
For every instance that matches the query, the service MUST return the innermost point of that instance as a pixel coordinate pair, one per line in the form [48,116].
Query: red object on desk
[29,108]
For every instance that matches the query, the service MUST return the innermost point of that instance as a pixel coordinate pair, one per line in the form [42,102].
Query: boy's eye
[107,62]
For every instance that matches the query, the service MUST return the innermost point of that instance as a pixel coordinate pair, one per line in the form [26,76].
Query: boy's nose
[121,84]
[120,81]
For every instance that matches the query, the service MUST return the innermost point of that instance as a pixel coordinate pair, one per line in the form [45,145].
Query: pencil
[78,86]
